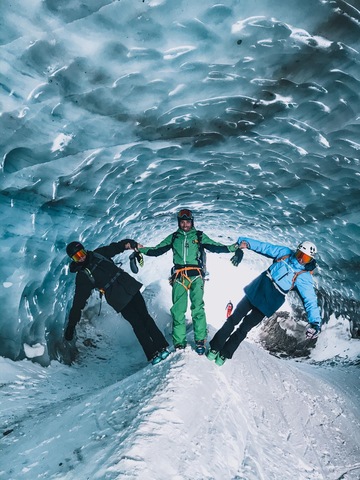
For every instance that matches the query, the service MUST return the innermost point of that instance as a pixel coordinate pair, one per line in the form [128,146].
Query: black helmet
[73,248]
[185,214]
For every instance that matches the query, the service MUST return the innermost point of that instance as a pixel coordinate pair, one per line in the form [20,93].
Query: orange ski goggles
[302,256]
[79,256]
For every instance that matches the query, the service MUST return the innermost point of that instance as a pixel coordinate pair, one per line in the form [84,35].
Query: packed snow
[111,415]
[113,116]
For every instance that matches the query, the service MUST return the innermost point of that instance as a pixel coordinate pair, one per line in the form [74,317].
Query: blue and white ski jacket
[267,292]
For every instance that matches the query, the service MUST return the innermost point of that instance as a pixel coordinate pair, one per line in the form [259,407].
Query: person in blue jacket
[266,293]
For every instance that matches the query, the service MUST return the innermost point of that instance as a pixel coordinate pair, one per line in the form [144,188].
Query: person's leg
[178,311]
[220,337]
[249,322]
[154,332]
[131,314]
[197,309]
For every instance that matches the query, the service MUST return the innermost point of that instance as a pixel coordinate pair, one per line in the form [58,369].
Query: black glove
[133,244]
[313,330]
[136,257]
[238,256]
[69,332]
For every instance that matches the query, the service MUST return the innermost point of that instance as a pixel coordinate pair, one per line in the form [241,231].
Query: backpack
[308,267]
[97,260]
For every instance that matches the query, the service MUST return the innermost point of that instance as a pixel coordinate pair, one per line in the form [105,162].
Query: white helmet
[307,247]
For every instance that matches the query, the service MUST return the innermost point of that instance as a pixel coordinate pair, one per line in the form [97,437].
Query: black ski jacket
[99,271]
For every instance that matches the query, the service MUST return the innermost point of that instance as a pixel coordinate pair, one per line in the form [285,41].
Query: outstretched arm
[115,248]
[82,293]
[305,287]
[159,249]
[216,247]
[264,248]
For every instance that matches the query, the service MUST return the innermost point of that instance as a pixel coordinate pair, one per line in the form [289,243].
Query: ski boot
[200,347]
[164,353]
[220,360]
[156,359]
[180,346]
[212,354]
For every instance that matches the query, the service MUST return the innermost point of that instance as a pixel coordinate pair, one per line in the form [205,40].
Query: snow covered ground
[112,416]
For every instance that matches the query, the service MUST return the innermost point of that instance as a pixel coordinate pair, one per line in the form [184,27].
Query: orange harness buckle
[182,273]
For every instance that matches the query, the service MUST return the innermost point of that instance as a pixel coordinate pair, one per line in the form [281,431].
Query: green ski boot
[220,360]
[212,354]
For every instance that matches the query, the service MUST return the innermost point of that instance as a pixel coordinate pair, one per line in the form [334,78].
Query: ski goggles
[303,257]
[79,256]
[185,214]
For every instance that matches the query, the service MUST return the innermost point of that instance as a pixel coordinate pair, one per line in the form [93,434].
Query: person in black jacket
[96,269]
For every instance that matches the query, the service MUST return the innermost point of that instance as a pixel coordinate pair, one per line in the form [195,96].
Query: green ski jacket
[186,248]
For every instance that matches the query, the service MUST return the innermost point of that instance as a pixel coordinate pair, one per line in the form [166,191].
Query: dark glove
[133,244]
[238,256]
[313,330]
[69,332]
[136,257]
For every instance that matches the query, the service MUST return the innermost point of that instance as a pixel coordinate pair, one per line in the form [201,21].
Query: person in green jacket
[187,278]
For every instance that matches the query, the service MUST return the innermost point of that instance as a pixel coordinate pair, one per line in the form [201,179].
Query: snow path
[256,418]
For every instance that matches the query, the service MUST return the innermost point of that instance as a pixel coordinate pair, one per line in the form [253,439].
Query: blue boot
[200,347]
[164,353]
[156,359]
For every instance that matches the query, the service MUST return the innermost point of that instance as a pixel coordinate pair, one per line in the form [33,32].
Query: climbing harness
[181,274]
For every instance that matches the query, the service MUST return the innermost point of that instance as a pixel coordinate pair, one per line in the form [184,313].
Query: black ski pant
[228,338]
[150,337]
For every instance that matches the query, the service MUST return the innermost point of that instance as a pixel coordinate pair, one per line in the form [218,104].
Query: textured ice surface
[115,114]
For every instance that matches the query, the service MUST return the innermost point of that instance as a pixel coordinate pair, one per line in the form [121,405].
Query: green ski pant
[195,287]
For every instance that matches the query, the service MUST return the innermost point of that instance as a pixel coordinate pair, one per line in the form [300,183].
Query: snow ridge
[257,417]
